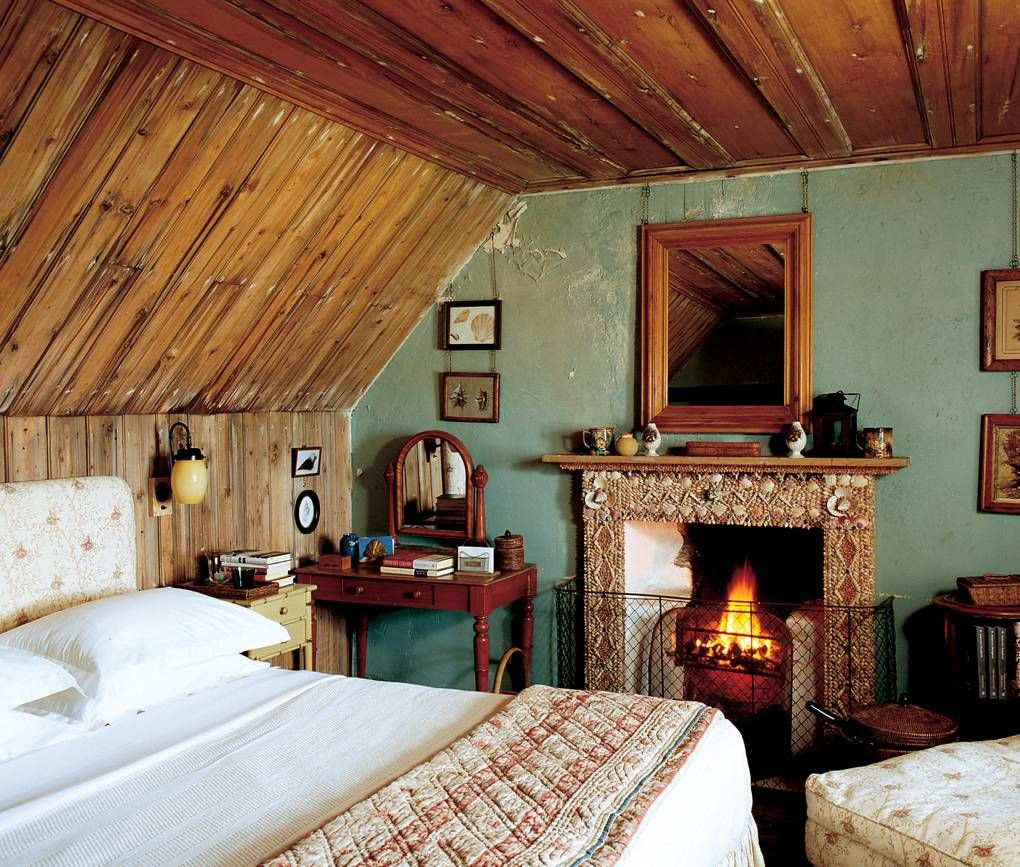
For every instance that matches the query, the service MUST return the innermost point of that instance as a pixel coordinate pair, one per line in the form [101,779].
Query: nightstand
[292,607]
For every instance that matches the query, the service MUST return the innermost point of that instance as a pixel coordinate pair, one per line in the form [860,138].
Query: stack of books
[419,562]
[451,511]
[270,566]
[997,661]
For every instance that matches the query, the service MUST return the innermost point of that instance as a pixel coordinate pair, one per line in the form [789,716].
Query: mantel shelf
[863,466]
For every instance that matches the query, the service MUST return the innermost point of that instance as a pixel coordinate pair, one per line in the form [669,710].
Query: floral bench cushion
[63,542]
[949,805]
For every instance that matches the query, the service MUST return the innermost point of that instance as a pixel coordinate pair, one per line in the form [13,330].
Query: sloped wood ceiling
[545,94]
[174,239]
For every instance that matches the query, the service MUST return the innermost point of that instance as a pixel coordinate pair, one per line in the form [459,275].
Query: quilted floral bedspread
[555,777]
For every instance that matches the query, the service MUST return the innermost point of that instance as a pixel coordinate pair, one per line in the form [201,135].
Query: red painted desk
[364,588]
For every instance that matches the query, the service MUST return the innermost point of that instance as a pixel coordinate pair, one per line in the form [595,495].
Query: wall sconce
[189,477]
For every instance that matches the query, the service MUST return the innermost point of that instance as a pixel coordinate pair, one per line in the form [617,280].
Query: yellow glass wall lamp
[189,476]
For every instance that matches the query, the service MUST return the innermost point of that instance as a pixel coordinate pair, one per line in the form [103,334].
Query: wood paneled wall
[175,240]
[250,501]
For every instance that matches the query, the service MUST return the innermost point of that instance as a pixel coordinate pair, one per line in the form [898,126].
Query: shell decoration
[483,327]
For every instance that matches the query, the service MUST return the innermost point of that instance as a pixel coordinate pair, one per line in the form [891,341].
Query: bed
[303,768]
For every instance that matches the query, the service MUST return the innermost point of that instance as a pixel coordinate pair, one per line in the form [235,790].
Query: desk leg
[525,628]
[362,630]
[482,653]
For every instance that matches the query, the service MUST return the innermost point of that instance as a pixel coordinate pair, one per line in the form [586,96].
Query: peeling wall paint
[898,254]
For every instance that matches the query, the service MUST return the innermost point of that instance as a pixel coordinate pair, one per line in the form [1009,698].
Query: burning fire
[739,640]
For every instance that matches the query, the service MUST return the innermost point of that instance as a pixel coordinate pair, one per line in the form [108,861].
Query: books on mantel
[419,561]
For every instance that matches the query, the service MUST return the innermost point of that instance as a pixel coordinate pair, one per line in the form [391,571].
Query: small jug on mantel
[626,445]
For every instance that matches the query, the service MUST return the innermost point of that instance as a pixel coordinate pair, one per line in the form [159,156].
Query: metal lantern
[834,424]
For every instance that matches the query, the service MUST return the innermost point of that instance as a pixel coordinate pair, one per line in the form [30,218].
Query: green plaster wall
[897,255]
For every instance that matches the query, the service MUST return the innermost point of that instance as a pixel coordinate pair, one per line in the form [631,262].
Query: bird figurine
[796,439]
[651,438]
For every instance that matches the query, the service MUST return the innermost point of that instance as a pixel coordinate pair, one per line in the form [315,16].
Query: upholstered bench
[954,804]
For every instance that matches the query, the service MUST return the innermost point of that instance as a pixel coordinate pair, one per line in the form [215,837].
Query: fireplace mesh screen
[759,663]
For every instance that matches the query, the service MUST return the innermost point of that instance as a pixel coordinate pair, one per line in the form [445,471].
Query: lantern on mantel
[834,424]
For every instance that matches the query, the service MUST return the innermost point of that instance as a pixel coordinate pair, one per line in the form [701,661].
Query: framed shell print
[470,397]
[472,324]
[1000,319]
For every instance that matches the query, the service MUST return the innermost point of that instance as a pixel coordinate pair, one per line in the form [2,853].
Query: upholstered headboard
[63,542]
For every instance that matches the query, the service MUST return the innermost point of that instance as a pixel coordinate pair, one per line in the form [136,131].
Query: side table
[981,716]
[364,588]
[292,608]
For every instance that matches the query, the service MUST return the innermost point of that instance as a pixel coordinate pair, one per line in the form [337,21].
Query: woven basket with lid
[990,589]
[509,552]
[901,728]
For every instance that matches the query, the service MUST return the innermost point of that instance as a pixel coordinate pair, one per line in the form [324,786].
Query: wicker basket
[509,552]
[990,589]
[902,728]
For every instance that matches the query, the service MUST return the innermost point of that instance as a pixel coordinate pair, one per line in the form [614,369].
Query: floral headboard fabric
[63,542]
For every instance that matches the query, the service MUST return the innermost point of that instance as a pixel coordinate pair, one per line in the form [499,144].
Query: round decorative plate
[306,511]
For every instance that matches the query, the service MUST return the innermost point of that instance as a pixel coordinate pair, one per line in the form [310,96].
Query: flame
[739,637]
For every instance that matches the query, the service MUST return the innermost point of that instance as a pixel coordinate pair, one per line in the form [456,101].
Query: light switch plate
[161,501]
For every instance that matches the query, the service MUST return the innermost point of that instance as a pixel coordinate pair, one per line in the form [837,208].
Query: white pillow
[25,677]
[21,733]
[142,634]
[131,691]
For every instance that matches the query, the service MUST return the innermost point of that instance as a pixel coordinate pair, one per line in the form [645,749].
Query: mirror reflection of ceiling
[709,286]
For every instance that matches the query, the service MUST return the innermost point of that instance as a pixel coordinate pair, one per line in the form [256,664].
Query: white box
[472,558]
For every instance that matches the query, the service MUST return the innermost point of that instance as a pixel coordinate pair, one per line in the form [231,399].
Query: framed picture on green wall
[470,397]
[1000,464]
[1000,319]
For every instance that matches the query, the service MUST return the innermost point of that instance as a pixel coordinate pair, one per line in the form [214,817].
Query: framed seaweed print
[472,324]
[470,397]
[1000,319]
[999,486]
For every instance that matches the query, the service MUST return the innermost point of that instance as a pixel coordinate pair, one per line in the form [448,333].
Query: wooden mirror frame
[476,479]
[656,243]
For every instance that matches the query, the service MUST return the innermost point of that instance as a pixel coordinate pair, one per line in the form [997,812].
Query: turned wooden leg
[527,625]
[482,653]
[362,642]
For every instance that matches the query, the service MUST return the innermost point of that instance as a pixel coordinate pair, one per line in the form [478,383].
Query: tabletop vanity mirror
[726,324]
[435,490]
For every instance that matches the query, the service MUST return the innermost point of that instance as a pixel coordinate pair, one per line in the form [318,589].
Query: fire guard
[759,662]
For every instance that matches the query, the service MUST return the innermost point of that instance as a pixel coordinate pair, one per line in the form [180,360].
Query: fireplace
[807,526]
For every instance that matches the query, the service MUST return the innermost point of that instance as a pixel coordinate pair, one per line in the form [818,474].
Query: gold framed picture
[1000,319]
[999,485]
[469,397]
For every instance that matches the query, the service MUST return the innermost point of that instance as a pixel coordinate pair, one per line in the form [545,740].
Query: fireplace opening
[786,561]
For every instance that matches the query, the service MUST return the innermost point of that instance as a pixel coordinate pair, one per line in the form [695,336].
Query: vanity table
[436,492]
[364,588]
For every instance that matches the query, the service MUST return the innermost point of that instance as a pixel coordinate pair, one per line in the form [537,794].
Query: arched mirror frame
[475,478]
[793,230]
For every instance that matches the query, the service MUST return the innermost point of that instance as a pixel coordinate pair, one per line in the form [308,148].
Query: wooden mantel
[672,463]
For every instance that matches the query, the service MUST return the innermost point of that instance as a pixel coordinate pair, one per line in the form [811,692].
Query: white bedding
[237,773]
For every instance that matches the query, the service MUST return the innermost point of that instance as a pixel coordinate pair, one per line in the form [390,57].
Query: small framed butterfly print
[472,324]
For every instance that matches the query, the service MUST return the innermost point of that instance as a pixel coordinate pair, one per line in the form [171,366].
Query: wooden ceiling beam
[762,44]
[998,92]
[941,38]
[295,78]
[566,33]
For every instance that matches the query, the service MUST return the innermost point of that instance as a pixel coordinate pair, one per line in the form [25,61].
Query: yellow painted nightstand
[291,607]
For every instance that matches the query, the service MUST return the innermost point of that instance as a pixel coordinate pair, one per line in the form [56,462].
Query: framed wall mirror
[726,324]
[432,488]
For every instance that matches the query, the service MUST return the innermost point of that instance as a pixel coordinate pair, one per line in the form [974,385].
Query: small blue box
[371,553]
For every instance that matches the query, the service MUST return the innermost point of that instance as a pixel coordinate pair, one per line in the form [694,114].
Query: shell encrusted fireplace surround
[836,495]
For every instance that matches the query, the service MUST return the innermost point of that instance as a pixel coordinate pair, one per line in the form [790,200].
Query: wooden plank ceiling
[172,239]
[548,94]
